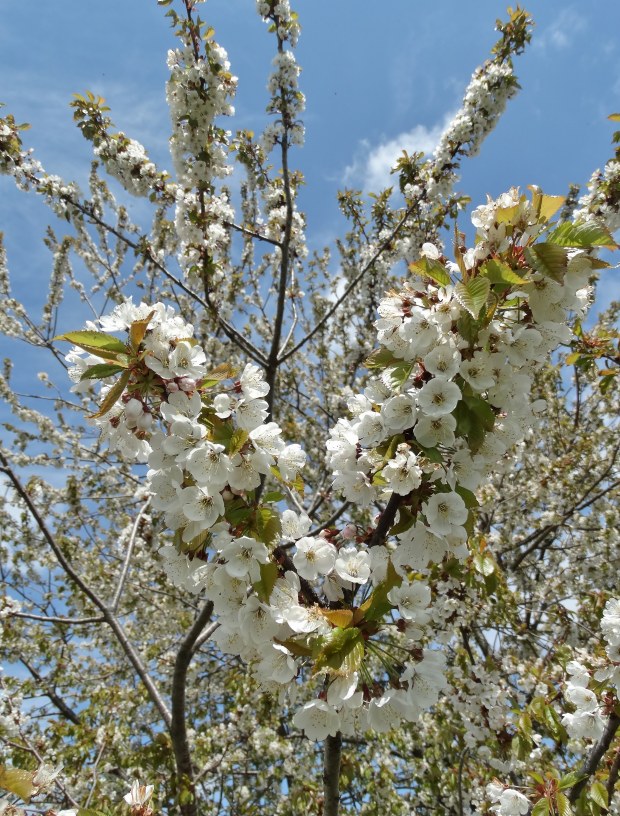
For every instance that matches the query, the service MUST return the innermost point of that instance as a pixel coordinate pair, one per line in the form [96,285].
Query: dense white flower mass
[449,398]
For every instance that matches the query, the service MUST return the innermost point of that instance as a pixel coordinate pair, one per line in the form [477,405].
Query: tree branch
[178,726]
[596,754]
[108,616]
[60,704]
[331,775]
[128,554]
[386,521]
[350,287]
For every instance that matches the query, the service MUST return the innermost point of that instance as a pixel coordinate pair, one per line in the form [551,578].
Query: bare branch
[130,545]
[594,757]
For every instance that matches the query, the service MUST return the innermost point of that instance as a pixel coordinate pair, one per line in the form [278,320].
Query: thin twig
[130,547]
[338,303]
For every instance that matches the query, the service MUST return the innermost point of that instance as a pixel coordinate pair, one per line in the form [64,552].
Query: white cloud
[370,168]
[561,33]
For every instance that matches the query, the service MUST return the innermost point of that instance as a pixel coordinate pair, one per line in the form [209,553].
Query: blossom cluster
[589,718]
[449,398]
[198,92]
[127,160]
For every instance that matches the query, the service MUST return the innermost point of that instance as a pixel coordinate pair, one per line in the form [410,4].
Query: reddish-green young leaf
[137,330]
[341,618]
[113,394]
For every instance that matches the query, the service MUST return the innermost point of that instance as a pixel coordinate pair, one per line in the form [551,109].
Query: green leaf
[569,779]
[469,424]
[499,272]
[336,647]
[406,520]
[431,268]
[17,781]
[507,215]
[598,794]
[468,497]
[473,295]
[297,647]
[113,394]
[378,605]
[273,496]
[563,805]
[94,342]
[380,358]
[582,235]
[101,371]
[268,577]
[399,373]
[481,410]
[237,440]
[269,525]
[541,808]
[484,564]
[549,259]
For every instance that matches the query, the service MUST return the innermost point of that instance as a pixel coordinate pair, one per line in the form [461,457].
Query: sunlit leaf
[342,618]
[431,268]
[17,781]
[545,205]
[473,295]
[499,272]
[137,330]
[571,234]
[93,341]
[237,440]
[380,359]
[562,805]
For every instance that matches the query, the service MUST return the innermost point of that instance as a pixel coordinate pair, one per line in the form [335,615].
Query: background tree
[110,668]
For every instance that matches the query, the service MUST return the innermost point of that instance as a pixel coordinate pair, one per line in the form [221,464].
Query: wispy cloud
[370,168]
[560,34]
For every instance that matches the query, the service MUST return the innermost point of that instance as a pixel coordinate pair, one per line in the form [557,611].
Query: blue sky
[376,76]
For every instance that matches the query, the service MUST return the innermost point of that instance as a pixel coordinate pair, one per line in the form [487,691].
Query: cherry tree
[319,533]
